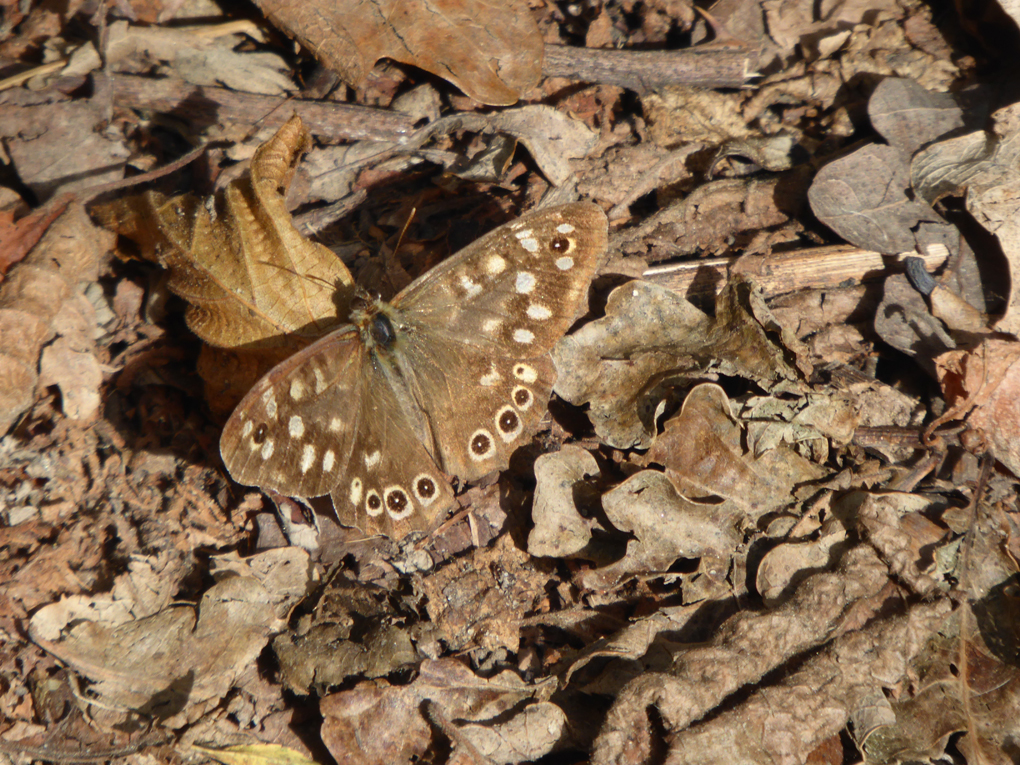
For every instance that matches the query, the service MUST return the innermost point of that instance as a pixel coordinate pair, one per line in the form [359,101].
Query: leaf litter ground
[770,518]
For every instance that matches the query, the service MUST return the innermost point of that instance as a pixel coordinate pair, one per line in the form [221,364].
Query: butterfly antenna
[403,231]
[309,277]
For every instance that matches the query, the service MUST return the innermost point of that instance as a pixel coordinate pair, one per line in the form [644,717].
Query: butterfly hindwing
[391,484]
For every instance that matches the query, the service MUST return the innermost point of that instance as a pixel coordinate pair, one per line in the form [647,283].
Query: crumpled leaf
[524,737]
[560,530]
[807,424]
[178,662]
[702,449]
[742,651]
[666,527]
[984,384]
[253,283]
[200,60]
[650,341]
[853,675]
[490,50]
[379,723]
[354,631]
[39,301]
[985,165]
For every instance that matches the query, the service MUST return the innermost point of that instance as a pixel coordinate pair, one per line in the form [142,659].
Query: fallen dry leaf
[560,529]
[863,198]
[983,384]
[703,451]
[491,51]
[395,713]
[40,300]
[178,662]
[254,285]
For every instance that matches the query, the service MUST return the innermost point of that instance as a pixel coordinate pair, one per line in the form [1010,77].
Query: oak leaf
[490,50]
[257,290]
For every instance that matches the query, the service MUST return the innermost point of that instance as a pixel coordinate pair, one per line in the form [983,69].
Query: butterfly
[448,378]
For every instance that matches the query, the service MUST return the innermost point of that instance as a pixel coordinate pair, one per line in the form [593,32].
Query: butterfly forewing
[294,431]
[516,290]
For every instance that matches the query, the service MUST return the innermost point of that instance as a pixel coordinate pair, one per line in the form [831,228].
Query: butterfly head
[375,319]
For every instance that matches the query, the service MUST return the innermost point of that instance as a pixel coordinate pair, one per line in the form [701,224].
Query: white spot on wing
[525,283]
[522,233]
[565,228]
[267,449]
[355,495]
[471,287]
[529,244]
[297,389]
[328,460]
[524,335]
[334,424]
[320,380]
[371,460]
[565,263]
[307,458]
[538,312]
[296,427]
[491,325]
[269,402]
[249,426]
[490,378]
[494,265]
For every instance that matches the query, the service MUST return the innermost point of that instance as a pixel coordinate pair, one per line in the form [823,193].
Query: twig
[811,268]
[208,105]
[709,66]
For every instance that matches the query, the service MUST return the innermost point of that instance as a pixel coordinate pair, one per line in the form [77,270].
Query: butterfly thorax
[376,320]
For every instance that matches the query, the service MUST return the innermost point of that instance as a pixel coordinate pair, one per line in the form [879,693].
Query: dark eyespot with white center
[481,446]
[373,503]
[561,244]
[522,398]
[508,424]
[425,489]
[398,505]
[260,433]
